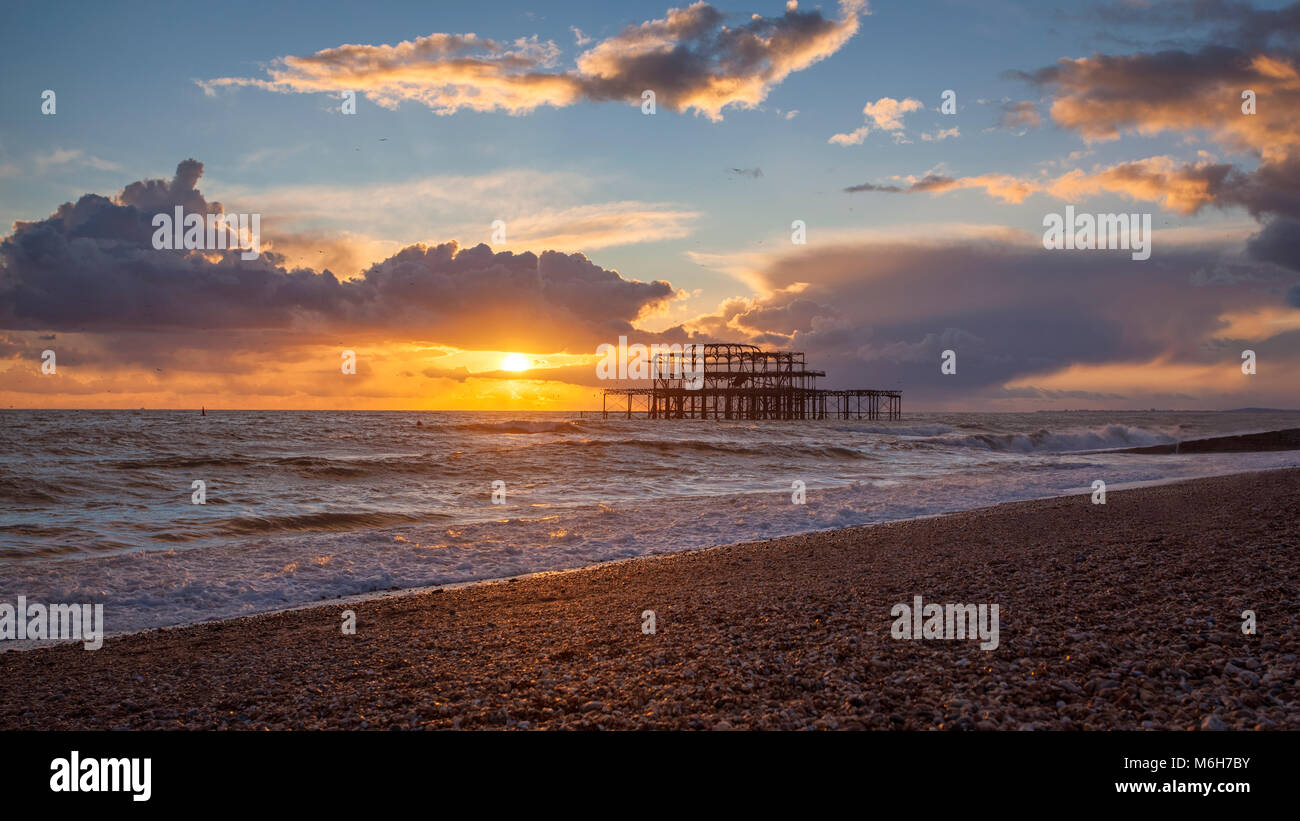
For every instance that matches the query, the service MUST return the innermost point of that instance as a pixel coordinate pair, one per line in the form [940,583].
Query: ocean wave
[896,430]
[308,466]
[678,446]
[29,490]
[179,461]
[518,426]
[426,464]
[249,525]
[1064,441]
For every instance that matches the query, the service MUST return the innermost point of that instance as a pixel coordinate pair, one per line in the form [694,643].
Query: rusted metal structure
[744,382]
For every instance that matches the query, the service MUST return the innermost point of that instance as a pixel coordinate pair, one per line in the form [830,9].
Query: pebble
[1143,645]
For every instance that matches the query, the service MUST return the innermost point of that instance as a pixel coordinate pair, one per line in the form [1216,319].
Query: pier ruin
[744,382]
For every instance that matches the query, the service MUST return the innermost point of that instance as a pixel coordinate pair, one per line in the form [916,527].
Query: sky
[503,188]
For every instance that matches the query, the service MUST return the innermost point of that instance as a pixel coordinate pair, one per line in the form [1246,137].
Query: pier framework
[745,382]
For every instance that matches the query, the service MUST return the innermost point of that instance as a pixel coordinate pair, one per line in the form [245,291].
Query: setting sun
[515,362]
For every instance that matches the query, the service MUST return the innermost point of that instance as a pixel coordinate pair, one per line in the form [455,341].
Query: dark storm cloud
[796,315]
[881,313]
[1278,243]
[92,267]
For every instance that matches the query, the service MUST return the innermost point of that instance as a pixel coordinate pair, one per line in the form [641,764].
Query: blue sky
[130,107]
[127,96]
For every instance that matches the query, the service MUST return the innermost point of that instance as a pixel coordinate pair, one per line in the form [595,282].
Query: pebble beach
[1126,615]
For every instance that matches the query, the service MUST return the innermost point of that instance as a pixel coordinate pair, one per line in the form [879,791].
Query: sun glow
[515,362]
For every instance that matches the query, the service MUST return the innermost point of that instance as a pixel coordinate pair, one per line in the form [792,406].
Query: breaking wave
[1064,441]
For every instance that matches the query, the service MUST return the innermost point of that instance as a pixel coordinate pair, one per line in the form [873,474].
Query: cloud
[887,113]
[1186,188]
[878,311]
[591,227]
[1278,242]
[345,253]
[584,375]
[941,134]
[91,267]
[1192,94]
[1003,186]
[784,320]
[1229,21]
[44,161]
[872,186]
[1024,114]
[446,72]
[690,58]
[1033,392]
[1182,187]
[541,209]
[1102,97]
[854,137]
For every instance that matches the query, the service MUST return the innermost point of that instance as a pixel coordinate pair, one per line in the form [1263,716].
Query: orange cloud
[446,72]
[1101,97]
[1246,102]
[689,58]
[1184,187]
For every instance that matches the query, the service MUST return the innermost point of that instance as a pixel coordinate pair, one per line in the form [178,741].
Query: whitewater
[96,506]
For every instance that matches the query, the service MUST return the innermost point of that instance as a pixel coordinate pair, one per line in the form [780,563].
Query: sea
[310,506]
